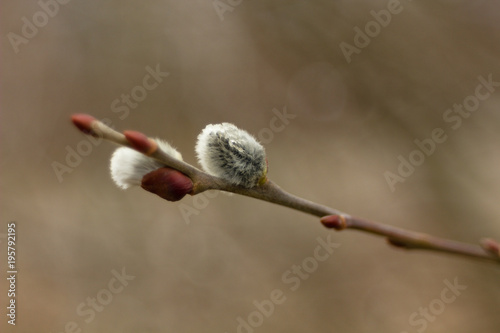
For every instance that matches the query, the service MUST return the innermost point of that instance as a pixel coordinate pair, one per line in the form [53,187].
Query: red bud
[491,246]
[84,123]
[140,142]
[167,183]
[336,222]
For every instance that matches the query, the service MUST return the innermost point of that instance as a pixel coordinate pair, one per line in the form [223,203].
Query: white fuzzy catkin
[129,166]
[228,152]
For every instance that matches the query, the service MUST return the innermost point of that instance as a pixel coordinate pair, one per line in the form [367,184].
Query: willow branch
[488,249]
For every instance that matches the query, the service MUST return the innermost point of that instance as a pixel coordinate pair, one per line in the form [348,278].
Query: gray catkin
[230,153]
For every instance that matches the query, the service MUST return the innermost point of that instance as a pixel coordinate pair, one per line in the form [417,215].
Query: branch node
[491,246]
[398,243]
[337,222]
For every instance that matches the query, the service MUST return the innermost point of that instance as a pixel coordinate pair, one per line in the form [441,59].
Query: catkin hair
[129,166]
[228,152]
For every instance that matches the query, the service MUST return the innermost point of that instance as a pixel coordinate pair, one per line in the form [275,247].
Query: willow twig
[488,249]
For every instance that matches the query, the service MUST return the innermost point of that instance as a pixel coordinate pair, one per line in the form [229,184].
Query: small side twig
[488,250]
[412,240]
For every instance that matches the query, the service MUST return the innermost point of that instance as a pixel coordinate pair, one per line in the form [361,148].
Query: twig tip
[84,122]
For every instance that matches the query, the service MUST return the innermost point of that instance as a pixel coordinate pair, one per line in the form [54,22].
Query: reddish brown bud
[336,222]
[167,183]
[491,246]
[84,123]
[141,142]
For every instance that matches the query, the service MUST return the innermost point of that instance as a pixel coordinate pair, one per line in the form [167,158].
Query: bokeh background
[352,121]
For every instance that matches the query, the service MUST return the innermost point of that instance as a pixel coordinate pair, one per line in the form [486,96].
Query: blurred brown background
[352,122]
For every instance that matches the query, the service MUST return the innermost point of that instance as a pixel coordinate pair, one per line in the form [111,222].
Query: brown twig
[331,218]
[408,239]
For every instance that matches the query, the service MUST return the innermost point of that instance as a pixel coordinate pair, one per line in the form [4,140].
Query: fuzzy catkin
[233,154]
[129,166]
